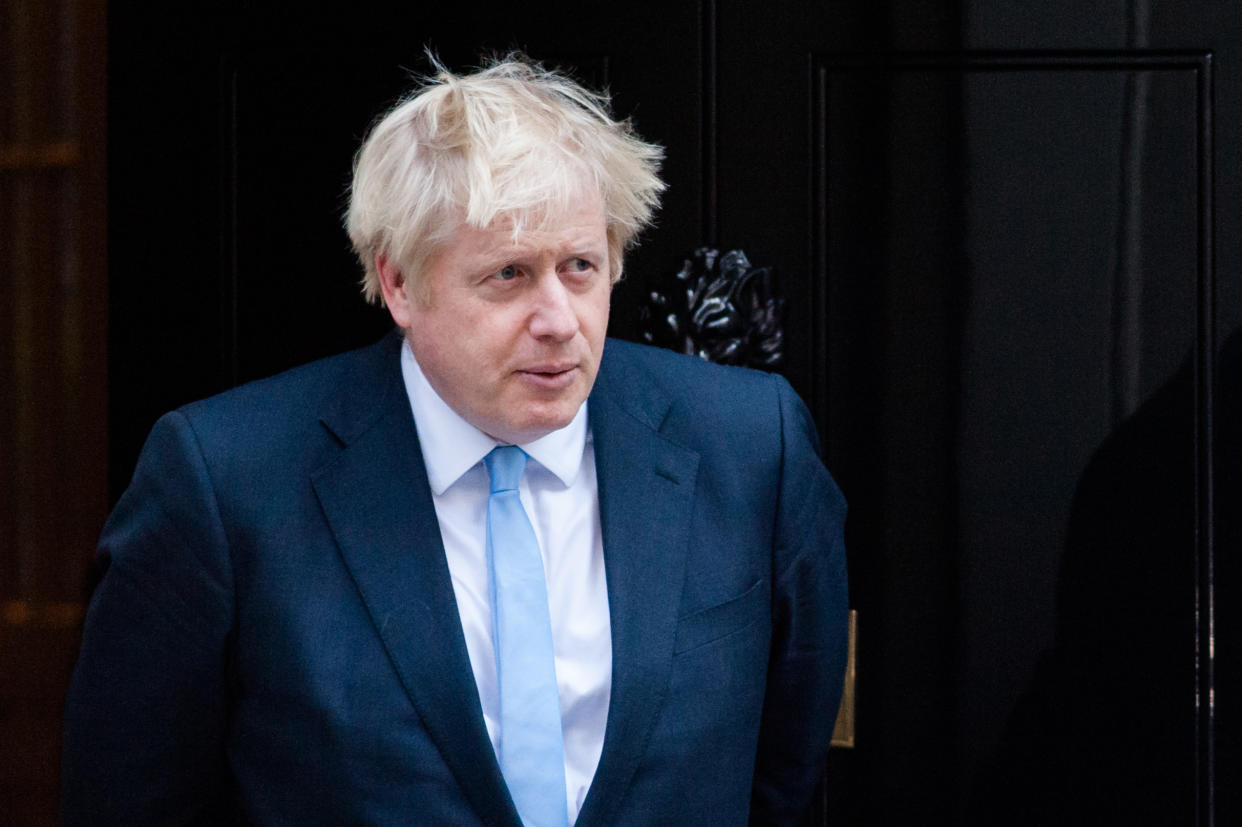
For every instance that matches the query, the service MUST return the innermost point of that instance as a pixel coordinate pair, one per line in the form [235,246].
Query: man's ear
[392,284]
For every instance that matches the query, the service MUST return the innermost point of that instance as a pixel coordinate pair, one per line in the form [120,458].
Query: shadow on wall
[1105,732]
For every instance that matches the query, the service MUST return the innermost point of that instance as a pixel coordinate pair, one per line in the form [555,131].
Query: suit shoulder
[680,374]
[284,411]
[695,399]
[302,388]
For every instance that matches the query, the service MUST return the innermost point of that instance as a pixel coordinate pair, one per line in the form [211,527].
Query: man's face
[512,332]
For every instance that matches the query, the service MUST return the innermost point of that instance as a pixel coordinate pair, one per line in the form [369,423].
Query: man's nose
[553,315]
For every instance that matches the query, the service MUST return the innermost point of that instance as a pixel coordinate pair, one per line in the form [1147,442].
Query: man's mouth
[550,377]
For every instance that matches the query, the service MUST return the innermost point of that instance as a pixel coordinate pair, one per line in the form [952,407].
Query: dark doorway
[1004,235]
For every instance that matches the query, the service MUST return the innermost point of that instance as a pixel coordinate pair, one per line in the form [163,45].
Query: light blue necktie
[531,752]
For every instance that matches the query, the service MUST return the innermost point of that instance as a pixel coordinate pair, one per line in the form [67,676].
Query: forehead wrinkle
[485,246]
[546,206]
[579,228]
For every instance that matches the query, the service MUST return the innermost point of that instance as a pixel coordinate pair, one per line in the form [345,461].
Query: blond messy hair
[513,142]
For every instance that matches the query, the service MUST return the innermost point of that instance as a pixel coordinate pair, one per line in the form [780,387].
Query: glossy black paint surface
[1004,235]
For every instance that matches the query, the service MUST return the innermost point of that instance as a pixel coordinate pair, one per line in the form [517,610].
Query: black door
[1005,236]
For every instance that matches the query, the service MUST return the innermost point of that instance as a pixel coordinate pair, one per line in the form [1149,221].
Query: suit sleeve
[146,711]
[809,624]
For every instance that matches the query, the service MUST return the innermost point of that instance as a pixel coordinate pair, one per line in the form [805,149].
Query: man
[311,614]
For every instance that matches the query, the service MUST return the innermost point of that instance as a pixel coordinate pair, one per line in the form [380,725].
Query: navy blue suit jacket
[276,640]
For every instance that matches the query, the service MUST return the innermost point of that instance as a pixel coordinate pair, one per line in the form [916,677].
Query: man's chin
[536,424]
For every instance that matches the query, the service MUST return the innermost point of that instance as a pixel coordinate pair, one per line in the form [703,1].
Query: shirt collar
[451,446]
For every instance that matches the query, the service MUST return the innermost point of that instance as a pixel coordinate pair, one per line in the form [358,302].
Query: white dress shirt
[561,496]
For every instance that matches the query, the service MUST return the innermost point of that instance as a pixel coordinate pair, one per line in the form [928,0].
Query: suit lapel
[646,493]
[377,501]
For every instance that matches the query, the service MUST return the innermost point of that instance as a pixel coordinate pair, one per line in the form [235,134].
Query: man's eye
[506,273]
[580,264]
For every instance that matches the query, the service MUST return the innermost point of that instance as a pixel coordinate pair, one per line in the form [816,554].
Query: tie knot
[505,464]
